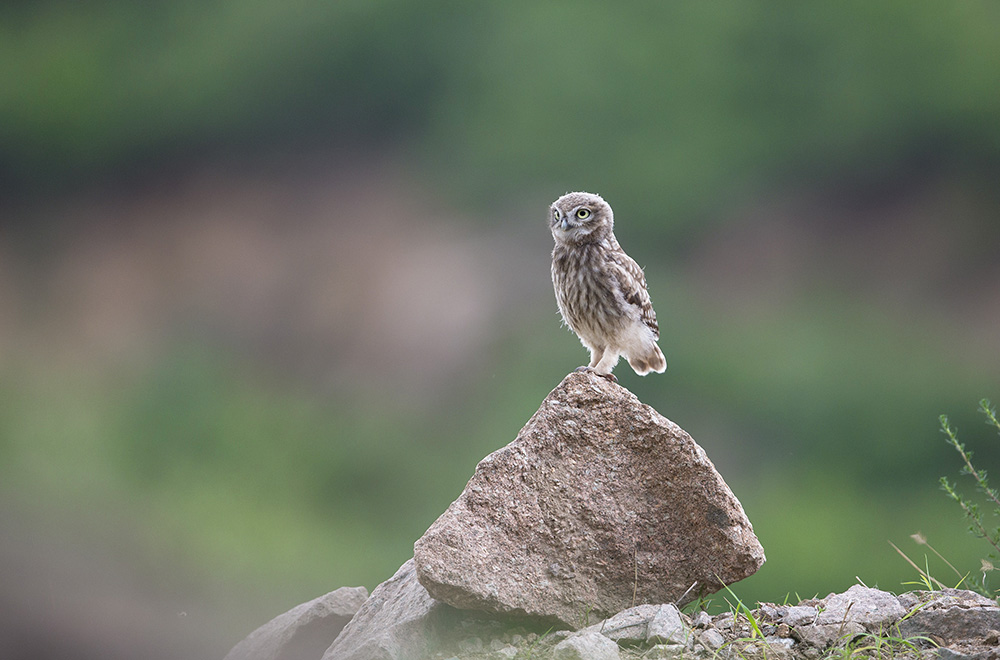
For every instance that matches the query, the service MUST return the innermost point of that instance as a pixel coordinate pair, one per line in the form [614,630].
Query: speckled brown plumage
[600,290]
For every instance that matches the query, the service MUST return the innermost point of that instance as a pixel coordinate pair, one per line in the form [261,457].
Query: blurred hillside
[274,277]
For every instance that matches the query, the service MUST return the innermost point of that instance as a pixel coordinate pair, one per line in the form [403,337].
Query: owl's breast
[586,293]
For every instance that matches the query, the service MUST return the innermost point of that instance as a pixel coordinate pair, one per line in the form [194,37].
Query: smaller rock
[770,612]
[724,621]
[712,639]
[952,654]
[871,608]
[779,640]
[664,652]
[629,627]
[800,615]
[701,619]
[825,635]
[471,645]
[946,598]
[304,631]
[586,645]
[505,653]
[400,621]
[953,623]
[667,627]
[645,624]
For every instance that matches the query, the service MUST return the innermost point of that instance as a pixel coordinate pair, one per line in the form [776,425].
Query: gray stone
[945,599]
[644,624]
[953,624]
[826,635]
[303,632]
[701,619]
[471,645]
[399,621]
[598,499]
[629,627]
[667,627]
[954,616]
[800,615]
[777,640]
[712,639]
[664,652]
[724,621]
[952,654]
[586,645]
[872,608]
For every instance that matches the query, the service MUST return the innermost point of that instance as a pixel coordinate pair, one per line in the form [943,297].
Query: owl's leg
[595,355]
[599,356]
[608,360]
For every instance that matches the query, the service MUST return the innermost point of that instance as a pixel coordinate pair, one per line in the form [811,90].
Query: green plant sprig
[971,509]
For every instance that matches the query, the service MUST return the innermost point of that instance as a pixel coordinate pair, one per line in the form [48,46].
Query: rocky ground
[859,623]
[580,539]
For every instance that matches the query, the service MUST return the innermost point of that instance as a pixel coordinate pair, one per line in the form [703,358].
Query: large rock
[599,504]
[303,632]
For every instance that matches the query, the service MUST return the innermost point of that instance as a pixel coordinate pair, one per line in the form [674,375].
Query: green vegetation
[880,646]
[977,527]
[703,104]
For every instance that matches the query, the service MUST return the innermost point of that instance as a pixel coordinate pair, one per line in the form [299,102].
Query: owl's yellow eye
[583,214]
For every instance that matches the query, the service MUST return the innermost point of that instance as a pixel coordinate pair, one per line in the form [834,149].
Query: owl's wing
[632,283]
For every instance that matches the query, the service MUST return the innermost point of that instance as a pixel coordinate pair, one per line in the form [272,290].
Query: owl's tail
[651,361]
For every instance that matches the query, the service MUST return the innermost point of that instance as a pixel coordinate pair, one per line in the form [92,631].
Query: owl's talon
[591,370]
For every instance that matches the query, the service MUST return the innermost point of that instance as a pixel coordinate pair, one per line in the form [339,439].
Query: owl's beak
[565,223]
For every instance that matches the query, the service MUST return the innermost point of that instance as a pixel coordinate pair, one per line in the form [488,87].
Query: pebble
[712,638]
[701,620]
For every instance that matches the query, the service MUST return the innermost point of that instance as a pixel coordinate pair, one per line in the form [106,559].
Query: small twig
[843,622]
[677,602]
[923,574]
[921,540]
[635,581]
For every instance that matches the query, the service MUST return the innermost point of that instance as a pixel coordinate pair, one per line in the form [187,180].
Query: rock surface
[401,621]
[645,624]
[600,503]
[871,608]
[586,645]
[953,615]
[396,622]
[303,632]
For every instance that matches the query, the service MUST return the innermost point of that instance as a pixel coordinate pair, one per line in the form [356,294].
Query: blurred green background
[274,277]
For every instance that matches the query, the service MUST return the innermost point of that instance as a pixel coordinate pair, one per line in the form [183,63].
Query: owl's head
[580,217]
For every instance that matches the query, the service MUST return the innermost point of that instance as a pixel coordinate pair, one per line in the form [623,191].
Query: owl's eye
[583,214]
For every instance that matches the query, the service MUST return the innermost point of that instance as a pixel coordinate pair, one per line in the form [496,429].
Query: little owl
[601,291]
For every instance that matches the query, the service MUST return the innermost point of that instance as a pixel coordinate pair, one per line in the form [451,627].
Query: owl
[600,290]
